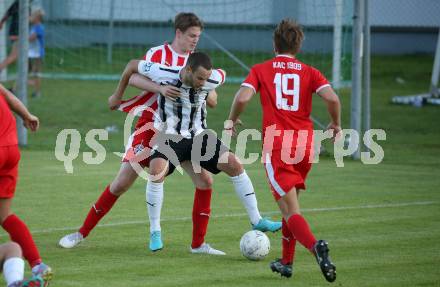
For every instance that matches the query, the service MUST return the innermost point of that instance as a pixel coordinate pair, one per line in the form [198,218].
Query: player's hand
[169,91]
[231,126]
[31,122]
[336,131]
[114,102]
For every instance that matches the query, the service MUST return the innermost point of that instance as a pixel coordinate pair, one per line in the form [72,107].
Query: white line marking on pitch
[342,208]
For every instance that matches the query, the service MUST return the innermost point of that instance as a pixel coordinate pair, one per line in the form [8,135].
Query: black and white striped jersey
[186,115]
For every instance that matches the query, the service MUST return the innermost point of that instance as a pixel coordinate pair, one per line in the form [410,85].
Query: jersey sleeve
[150,70]
[252,81]
[217,78]
[319,81]
[147,56]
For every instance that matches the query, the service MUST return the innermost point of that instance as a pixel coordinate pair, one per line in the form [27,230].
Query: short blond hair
[38,11]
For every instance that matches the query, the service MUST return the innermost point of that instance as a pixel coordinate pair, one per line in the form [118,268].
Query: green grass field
[382,221]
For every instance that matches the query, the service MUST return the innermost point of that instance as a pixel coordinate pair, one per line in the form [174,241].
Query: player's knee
[12,249]
[235,166]
[205,181]
[120,186]
[158,170]
[4,213]
[156,175]
[290,213]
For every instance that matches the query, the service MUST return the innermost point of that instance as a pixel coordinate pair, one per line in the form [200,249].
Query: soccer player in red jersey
[286,86]
[9,158]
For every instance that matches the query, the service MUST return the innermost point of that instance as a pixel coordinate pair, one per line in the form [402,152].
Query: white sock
[245,191]
[13,270]
[154,204]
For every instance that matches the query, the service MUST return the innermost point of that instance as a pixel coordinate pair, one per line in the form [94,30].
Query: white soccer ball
[254,245]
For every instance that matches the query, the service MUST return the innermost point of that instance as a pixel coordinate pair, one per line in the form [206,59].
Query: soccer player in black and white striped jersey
[181,128]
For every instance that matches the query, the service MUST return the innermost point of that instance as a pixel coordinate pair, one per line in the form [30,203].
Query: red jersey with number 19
[8,131]
[286,86]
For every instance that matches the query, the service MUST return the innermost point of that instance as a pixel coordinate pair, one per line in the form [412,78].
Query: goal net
[93,40]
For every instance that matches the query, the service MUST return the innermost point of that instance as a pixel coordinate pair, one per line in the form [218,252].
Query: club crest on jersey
[138,148]
[147,66]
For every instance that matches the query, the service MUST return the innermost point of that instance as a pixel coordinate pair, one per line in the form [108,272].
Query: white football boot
[205,248]
[71,240]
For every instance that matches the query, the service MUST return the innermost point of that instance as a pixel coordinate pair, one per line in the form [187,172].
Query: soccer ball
[254,245]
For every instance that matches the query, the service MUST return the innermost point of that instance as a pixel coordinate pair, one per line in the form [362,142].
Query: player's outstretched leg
[230,164]
[101,207]
[328,269]
[125,178]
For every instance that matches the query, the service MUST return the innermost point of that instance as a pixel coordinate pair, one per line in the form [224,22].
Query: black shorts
[204,149]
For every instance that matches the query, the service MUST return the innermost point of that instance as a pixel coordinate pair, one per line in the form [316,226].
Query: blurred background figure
[36,50]
[11,13]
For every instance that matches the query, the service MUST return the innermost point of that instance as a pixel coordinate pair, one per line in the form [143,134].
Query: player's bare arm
[144,83]
[115,100]
[29,120]
[334,109]
[242,98]
[211,100]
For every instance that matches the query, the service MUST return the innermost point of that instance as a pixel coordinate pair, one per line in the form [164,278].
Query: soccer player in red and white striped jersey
[286,86]
[188,28]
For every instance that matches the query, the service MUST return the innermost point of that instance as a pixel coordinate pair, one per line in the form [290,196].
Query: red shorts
[9,158]
[284,174]
[138,148]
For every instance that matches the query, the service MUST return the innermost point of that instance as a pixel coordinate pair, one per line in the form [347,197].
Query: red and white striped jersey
[165,55]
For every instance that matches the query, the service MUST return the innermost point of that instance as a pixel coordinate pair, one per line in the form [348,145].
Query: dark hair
[183,21]
[198,59]
[288,37]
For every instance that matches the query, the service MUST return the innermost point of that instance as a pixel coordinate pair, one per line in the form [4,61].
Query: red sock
[200,215]
[99,209]
[19,233]
[301,231]
[288,244]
